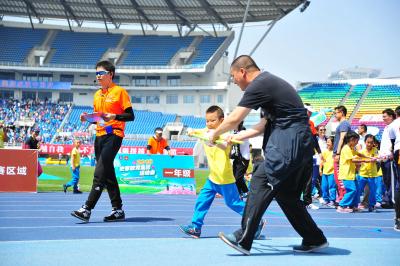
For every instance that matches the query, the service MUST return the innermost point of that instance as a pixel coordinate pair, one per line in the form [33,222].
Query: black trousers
[287,194]
[397,189]
[106,148]
[239,170]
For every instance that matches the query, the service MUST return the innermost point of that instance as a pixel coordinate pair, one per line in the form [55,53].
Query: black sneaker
[386,205]
[65,188]
[231,241]
[116,215]
[77,192]
[397,225]
[310,248]
[82,214]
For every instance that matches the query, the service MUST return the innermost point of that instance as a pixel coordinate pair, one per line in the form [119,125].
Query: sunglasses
[101,73]
[322,130]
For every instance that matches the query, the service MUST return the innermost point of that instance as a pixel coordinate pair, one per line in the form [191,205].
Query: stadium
[173,59]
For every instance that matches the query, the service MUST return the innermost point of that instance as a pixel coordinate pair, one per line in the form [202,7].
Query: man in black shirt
[288,149]
[32,142]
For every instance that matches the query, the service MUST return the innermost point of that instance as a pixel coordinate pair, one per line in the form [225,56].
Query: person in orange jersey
[157,144]
[113,109]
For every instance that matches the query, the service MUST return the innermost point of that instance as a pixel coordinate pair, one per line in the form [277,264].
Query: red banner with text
[89,149]
[18,170]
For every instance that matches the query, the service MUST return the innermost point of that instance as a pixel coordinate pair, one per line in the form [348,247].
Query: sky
[328,36]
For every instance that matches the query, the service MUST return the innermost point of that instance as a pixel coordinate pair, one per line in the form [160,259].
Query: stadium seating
[193,122]
[324,95]
[47,118]
[146,122]
[206,49]
[153,50]
[82,48]
[17,43]
[354,97]
[172,144]
[87,48]
[378,99]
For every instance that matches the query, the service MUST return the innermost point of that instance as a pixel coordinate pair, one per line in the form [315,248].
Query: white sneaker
[312,207]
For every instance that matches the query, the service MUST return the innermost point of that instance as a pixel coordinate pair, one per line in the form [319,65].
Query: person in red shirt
[307,192]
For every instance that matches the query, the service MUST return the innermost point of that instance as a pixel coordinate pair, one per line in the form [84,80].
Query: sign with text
[155,174]
[34,85]
[86,150]
[18,170]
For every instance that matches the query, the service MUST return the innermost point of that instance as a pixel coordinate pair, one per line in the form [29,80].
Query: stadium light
[304,7]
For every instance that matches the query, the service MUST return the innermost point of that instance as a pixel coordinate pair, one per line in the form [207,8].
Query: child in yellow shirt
[220,180]
[347,172]
[328,185]
[368,171]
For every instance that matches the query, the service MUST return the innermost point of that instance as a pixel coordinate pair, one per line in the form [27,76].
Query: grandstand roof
[188,13]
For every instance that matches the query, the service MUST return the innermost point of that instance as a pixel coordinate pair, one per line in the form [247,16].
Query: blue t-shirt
[344,126]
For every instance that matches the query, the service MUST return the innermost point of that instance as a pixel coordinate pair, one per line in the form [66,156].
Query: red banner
[178,173]
[18,170]
[89,149]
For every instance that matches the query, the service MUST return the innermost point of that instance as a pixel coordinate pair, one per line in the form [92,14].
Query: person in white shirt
[385,153]
[322,138]
[362,131]
[394,133]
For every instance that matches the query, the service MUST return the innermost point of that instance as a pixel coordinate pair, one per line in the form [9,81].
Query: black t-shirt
[275,97]
[32,143]
[272,94]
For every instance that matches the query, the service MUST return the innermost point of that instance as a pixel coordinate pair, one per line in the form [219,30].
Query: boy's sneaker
[116,215]
[331,204]
[361,206]
[378,205]
[260,228]
[231,241]
[82,214]
[77,192]
[312,207]
[65,188]
[190,230]
[372,209]
[397,225]
[310,248]
[344,210]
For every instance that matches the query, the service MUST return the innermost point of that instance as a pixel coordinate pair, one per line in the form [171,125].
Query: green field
[85,182]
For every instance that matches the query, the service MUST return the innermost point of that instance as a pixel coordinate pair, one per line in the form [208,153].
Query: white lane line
[101,205]
[5,242]
[121,224]
[185,216]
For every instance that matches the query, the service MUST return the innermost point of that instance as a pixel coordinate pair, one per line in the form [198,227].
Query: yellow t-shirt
[327,155]
[379,173]
[369,169]
[219,163]
[250,166]
[75,157]
[347,169]
[1,138]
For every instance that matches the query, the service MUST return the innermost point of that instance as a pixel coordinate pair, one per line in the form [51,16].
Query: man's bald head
[245,62]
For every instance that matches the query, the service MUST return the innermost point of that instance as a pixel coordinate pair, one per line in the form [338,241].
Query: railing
[78,66]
